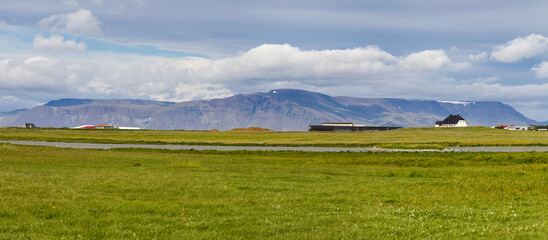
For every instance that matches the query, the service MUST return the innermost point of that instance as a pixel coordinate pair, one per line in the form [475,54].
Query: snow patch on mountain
[458,102]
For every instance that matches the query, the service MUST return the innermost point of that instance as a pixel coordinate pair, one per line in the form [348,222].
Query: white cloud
[119,75]
[199,91]
[270,61]
[30,74]
[156,78]
[56,43]
[9,103]
[541,70]
[81,22]
[520,48]
[429,60]
[478,57]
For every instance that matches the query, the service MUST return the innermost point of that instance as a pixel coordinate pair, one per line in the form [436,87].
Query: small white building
[514,127]
[522,128]
[452,121]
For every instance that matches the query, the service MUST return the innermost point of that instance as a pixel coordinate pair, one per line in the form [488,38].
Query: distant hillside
[2,114]
[418,112]
[282,109]
[75,112]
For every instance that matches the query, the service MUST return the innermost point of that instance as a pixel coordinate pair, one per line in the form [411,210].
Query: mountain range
[281,109]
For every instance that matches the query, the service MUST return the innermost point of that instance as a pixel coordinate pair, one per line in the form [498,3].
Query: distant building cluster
[458,121]
[514,127]
[105,126]
[347,126]
[450,121]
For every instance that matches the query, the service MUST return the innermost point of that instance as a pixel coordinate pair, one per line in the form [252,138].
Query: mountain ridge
[280,109]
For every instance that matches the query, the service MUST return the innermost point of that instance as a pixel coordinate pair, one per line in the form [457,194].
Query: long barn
[347,126]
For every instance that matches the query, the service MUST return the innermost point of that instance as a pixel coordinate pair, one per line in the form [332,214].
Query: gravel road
[501,149]
[196,147]
[249,148]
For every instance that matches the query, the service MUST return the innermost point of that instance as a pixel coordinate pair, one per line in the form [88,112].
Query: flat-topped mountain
[282,109]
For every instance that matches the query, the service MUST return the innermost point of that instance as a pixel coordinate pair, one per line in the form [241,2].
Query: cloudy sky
[177,50]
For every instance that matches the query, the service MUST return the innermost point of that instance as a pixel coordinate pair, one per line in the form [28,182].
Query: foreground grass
[401,138]
[48,193]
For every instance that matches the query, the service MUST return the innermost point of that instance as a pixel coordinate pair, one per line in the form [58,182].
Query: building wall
[462,123]
[518,128]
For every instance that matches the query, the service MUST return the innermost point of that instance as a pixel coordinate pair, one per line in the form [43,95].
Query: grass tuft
[185,164]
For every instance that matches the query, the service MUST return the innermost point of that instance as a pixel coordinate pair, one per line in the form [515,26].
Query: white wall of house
[462,123]
[523,128]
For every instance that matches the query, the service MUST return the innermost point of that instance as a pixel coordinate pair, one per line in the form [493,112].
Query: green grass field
[48,193]
[401,138]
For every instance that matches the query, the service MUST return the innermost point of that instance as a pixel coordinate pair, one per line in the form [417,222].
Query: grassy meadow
[435,138]
[49,193]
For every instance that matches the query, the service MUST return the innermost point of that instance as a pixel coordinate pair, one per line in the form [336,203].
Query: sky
[179,50]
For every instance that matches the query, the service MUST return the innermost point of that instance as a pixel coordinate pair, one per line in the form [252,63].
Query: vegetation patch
[407,138]
[50,193]
[185,164]
[250,129]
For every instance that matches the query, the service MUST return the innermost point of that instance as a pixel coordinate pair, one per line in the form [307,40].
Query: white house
[452,121]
